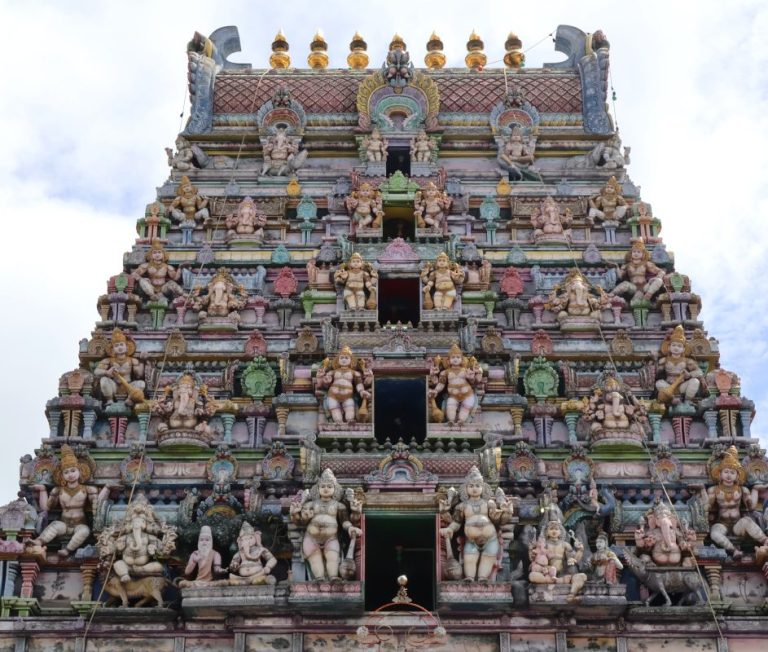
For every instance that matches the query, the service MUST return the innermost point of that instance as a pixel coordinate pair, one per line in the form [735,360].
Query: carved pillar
[30,567]
[728,422]
[89,418]
[54,416]
[746,422]
[543,427]
[710,418]
[117,426]
[143,425]
[713,579]
[88,570]
[11,573]
[71,422]
[517,420]
[571,419]
[132,307]
[681,426]
[282,417]
[655,420]
[228,420]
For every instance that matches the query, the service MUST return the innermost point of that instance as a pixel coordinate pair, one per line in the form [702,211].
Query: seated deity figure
[156,278]
[120,376]
[375,147]
[662,539]
[252,563]
[358,278]
[431,207]
[440,283]
[204,563]
[605,563]
[186,406]
[189,206]
[478,516]
[184,158]
[323,511]
[221,297]
[364,205]
[641,278]
[613,410]
[575,300]
[560,556]
[516,156]
[281,154]
[550,224]
[457,378]
[343,378]
[72,495]
[680,376]
[609,205]
[731,505]
[246,220]
[422,148]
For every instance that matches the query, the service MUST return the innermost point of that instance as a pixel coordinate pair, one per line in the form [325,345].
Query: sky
[93,92]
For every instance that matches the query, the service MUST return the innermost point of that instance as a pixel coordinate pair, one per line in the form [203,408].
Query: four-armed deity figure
[358,279]
[343,377]
[440,280]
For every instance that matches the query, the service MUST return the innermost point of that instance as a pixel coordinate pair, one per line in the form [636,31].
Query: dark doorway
[399,222]
[399,544]
[399,300]
[400,409]
[399,158]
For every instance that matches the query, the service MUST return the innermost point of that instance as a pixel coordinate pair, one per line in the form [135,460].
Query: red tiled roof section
[472,93]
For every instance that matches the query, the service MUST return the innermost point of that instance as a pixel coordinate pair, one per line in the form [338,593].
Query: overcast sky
[92,93]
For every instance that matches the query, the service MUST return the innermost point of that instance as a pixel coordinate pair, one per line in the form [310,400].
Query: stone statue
[189,206]
[560,556]
[72,495]
[375,147]
[156,278]
[605,155]
[247,219]
[440,283]
[222,297]
[358,278]
[364,205]
[431,208]
[186,407]
[457,377]
[343,377]
[120,376]
[516,155]
[680,376]
[730,504]
[662,539]
[187,157]
[423,148]
[252,563]
[321,509]
[204,563]
[282,155]
[642,279]
[609,205]
[398,68]
[575,302]
[605,563]
[549,224]
[614,412]
[478,514]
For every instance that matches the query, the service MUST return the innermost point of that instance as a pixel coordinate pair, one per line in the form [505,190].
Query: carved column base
[517,420]
[681,427]
[281,412]
[29,570]
[88,570]
[713,574]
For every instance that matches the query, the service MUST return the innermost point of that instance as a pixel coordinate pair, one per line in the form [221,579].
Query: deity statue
[553,547]
[457,377]
[515,155]
[187,157]
[662,539]
[364,205]
[550,224]
[440,283]
[358,277]
[322,510]
[423,148]
[222,297]
[186,406]
[120,376]
[72,495]
[576,301]
[479,514]
[205,562]
[282,155]
[609,205]
[397,68]
[612,157]
[613,411]
[156,278]
[252,563]
[343,377]
[680,375]
[247,219]
[605,563]
[189,206]
[431,207]
[375,147]
[642,278]
[731,504]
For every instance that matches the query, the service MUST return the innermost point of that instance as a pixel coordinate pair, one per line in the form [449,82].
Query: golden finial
[357,59]
[475,58]
[435,58]
[318,57]
[280,59]
[397,42]
[514,58]
[293,189]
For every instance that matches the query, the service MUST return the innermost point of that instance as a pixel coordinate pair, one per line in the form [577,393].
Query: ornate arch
[419,100]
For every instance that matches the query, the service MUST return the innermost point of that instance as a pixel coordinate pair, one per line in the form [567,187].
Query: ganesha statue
[615,415]
[246,222]
[576,303]
[219,302]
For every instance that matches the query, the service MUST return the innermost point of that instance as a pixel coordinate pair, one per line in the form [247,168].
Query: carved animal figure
[145,588]
[665,581]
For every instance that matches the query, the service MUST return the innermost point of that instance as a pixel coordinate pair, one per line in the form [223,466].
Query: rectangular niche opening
[399,300]
[400,408]
[399,222]
[399,544]
[399,158]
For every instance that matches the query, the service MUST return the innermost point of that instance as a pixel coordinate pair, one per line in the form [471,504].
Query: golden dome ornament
[357,59]
[293,189]
[475,58]
[435,57]
[514,58]
[280,59]
[318,56]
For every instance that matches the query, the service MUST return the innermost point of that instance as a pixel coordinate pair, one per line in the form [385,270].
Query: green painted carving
[541,379]
[281,255]
[398,188]
[490,211]
[516,256]
[306,211]
[259,379]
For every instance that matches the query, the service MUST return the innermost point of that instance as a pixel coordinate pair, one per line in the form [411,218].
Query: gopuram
[398,360]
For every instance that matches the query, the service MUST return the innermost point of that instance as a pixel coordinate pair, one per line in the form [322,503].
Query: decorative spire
[514,58]
[357,59]
[435,58]
[280,58]
[318,57]
[397,42]
[475,58]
